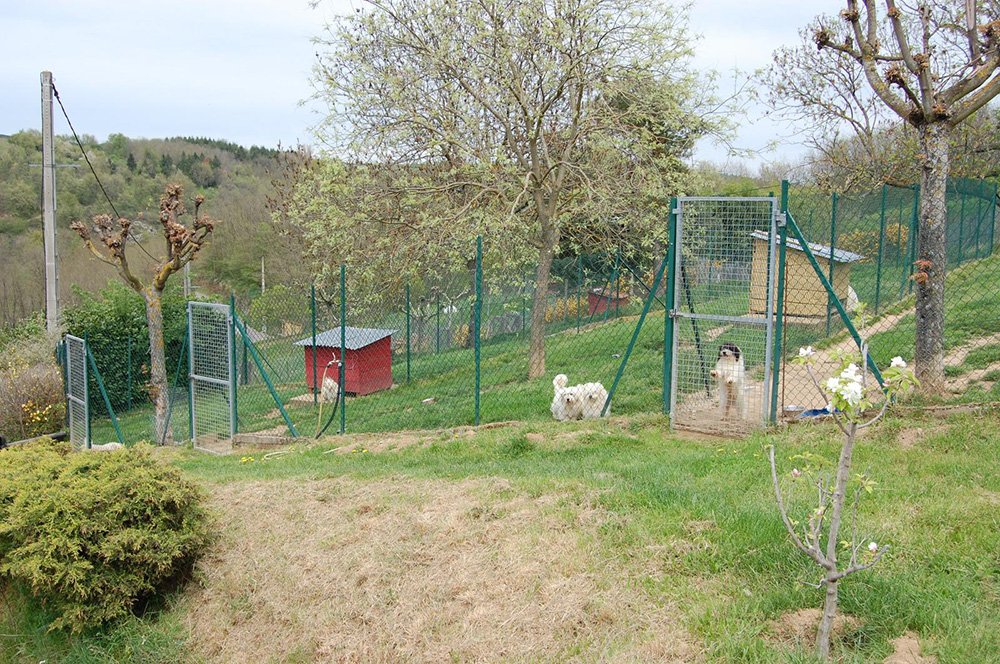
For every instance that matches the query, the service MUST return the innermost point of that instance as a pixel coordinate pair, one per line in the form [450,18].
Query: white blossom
[897,362]
[796,472]
[852,393]
[873,546]
[833,384]
[806,352]
[851,373]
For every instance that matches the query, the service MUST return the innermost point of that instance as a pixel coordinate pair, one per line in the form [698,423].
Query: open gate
[212,388]
[77,396]
[723,282]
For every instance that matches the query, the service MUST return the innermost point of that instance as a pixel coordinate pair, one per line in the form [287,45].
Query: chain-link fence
[457,350]
[866,246]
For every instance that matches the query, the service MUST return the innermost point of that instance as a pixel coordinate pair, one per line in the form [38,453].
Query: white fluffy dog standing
[566,404]
[592,399]
[730,374]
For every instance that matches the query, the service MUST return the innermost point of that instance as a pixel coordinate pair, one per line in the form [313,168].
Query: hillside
[234,179]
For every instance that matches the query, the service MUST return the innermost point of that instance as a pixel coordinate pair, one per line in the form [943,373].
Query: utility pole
[49,210]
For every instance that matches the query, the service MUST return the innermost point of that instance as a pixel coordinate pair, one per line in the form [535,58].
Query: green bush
[92,533]
[108,320]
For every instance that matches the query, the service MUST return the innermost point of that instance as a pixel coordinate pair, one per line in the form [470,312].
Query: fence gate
[723,302]
[212,395]
[77,397]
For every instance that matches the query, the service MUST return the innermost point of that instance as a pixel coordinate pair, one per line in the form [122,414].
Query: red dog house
[367,362]
[598,301]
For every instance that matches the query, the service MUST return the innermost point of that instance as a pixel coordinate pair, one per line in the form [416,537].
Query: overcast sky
[239,69]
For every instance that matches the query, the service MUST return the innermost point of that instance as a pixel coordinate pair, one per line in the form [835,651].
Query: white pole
[49,210]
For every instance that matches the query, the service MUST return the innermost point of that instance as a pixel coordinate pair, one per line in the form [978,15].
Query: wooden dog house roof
[819,250]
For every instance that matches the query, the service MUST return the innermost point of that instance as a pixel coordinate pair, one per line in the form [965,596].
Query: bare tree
[182,245]
[506,119]
[932,64]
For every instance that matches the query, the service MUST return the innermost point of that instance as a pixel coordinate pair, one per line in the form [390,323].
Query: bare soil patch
[906,650]
[799,627]
[342,570]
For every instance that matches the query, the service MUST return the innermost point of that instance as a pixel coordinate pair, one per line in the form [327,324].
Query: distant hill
[235,180]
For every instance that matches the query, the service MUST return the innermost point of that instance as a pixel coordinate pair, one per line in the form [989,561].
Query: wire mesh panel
[212,399]
[77,405]
[724,257]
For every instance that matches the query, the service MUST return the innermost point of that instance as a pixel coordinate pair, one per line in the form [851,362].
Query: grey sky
[238,69]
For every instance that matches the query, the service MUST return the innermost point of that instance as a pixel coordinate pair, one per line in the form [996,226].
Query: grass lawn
[593,541]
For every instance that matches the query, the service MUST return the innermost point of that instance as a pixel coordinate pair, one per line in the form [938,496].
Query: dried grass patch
[411,570]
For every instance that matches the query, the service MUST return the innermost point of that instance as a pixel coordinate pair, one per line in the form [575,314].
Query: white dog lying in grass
[579,402]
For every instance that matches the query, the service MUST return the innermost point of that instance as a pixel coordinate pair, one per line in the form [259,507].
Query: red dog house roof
[354,337]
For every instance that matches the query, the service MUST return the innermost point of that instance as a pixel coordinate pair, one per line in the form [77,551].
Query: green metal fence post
[881,249]
[993,215]
[833,245]
[407,333]
[914,231]
[668,301]
[618,283]
[979,222]
[235,411]
[579,289]
[611,285]
[128,375]
[104,396]
[343,344]
[437,315]
[312,309]
[478,312]
[961,223]
[779,309]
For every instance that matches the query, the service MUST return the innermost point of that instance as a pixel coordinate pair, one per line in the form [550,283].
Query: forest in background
[235,181]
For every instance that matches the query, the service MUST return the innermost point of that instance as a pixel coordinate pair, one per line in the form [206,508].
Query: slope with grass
[604,541]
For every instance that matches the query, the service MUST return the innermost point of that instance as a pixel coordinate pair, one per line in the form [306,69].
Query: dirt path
[342,570]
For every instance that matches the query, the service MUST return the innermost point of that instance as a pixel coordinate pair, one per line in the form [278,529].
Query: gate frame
[767,320]
[210,380]
[72,397]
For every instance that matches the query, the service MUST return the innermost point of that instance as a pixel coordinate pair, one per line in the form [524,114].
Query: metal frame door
[720,233]
[77,392]
[210,358]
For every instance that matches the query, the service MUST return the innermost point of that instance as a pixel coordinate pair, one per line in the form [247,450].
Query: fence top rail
[735,199]
[208,305]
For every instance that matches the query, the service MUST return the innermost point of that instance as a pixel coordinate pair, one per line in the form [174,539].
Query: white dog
[566,404]
[592,398]
[329,390]
[730,374]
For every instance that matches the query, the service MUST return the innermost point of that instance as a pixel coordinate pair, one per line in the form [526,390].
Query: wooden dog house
[804,292]
[598,301]
[367,359]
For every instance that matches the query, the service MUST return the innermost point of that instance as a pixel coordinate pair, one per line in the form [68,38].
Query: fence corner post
[779,307]
[312,309]
[478,321]
[669,298]
[235,413]
[407,332]
[343,343]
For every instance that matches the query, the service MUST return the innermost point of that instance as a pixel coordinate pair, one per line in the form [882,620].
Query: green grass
[935,504]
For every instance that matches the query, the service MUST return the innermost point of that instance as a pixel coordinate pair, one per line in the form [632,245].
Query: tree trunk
[536,352]
[932,256]
[825,630]
[158,387]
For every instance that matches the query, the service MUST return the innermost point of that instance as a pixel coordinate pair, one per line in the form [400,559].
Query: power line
[100,184]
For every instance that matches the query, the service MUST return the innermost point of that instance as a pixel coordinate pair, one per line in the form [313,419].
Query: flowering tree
[850,402]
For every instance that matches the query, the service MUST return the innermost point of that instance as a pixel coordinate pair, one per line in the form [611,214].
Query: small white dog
[329,390]
[566,403]
[730,374]
[592,398]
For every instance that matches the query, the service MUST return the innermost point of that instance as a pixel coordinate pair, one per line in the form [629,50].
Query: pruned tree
[932,64]
[505,119]
[182,244]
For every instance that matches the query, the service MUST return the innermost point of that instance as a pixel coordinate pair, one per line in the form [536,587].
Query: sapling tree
[182,244]
[822,537]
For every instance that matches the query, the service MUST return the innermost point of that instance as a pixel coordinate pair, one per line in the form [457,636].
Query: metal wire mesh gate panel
[212,399]
[77,403]
[723,313]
